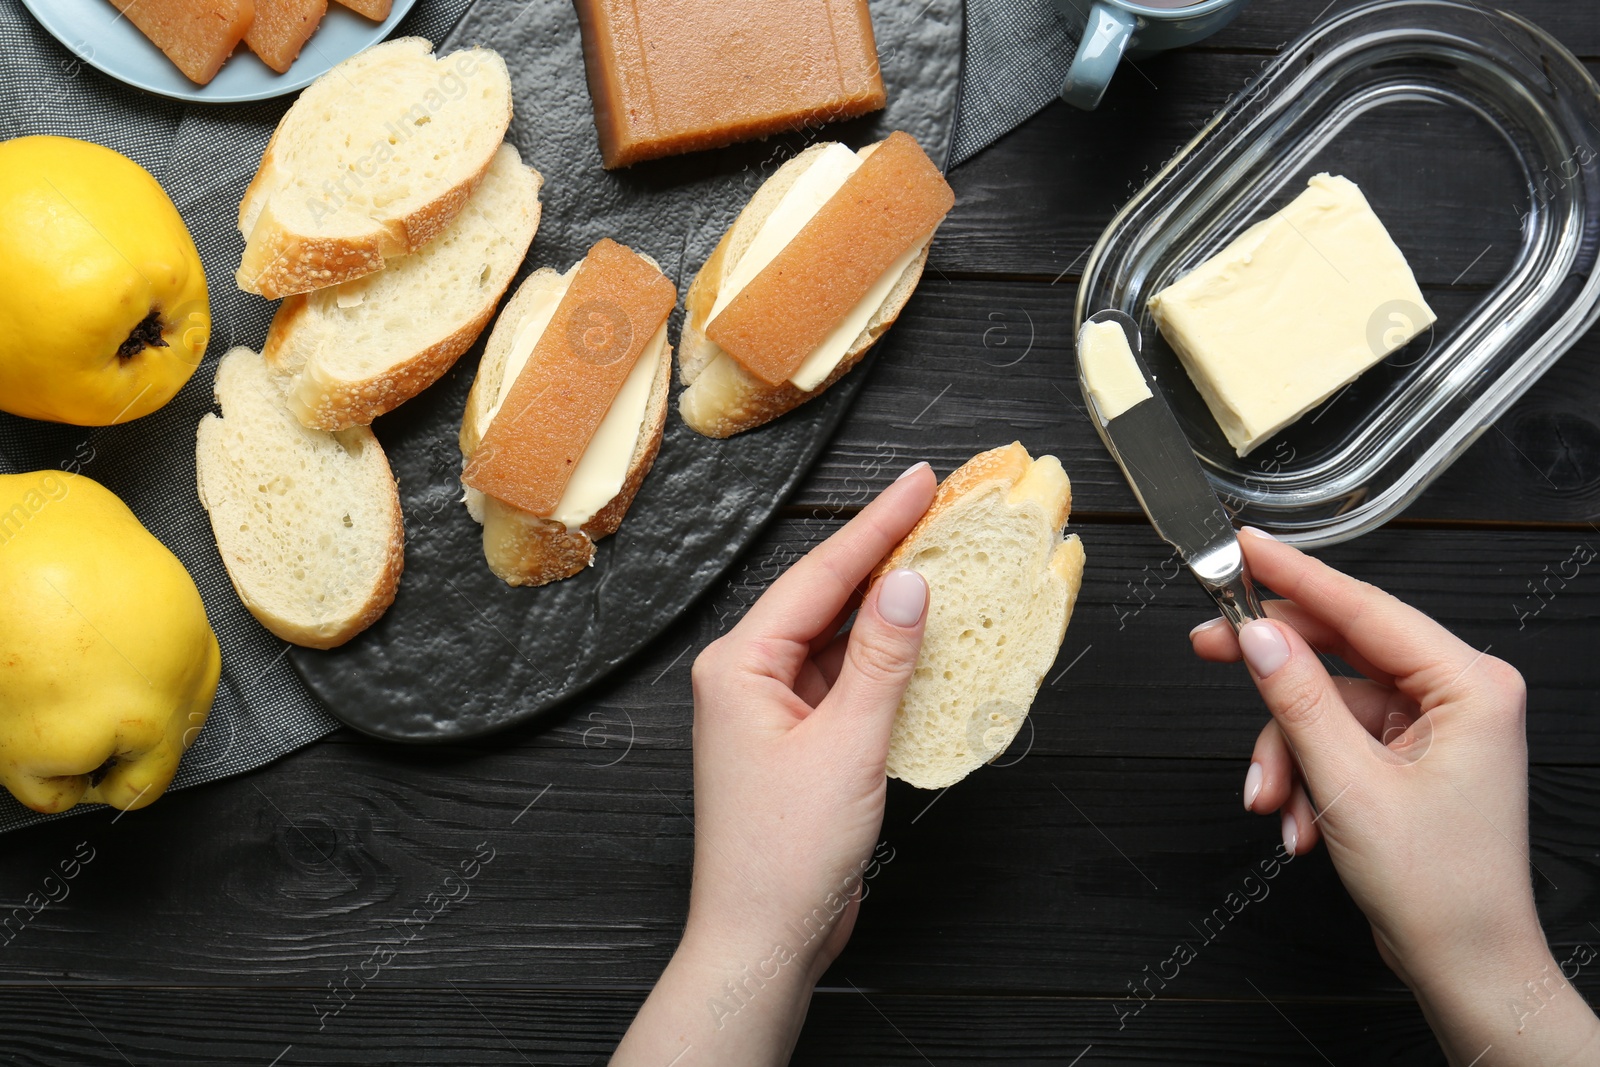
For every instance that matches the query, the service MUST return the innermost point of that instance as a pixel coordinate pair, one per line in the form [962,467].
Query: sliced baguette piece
[1002,583]
[308,523]
[358,350]
[720,397]
[372,161]
[522,548]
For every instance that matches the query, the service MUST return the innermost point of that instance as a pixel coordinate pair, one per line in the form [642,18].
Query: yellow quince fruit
[103,306]
[108,665]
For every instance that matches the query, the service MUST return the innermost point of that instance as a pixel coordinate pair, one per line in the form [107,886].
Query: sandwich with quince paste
[813,271]
[566,412]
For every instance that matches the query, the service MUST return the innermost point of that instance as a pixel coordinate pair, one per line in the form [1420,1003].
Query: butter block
[672,76]
[1291,311]
[1115,381]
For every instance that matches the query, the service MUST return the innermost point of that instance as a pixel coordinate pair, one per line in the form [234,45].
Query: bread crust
[326,403]
[320,633]
[1006,464]
[280,262]
[1008,467]
[752,402]
[525,549]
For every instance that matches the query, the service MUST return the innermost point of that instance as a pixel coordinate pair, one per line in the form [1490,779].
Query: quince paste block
[282,28]
[614,306]
[673,76]
[197,35]
[376,10]
[1291,311]
[892,202]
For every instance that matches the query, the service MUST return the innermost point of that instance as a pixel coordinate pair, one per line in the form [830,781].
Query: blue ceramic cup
[1111,29]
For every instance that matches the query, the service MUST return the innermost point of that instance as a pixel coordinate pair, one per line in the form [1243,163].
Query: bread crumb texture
[1002,583]
[307,521]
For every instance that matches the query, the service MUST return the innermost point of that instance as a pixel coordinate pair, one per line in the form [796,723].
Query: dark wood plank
[474,1024]
[975,364]
[1075,874]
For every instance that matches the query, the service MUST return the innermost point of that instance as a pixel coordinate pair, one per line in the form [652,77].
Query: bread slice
[372,161]
[360,349]
[721,398]
[1002,583]
[197,35]
[376,10]
[281,28]
[308,523]
[524,549]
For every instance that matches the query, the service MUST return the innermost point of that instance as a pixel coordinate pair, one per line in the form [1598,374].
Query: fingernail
[1257,532]
[909,471]
[1209,624]
[1263,646]
[1252,785]
[902,596]
[1291,833]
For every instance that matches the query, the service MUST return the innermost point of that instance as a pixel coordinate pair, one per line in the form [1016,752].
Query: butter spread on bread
[554,487]
[815,269]
[1002,582]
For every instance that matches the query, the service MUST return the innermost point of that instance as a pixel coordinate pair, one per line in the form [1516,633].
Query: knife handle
[1237,598]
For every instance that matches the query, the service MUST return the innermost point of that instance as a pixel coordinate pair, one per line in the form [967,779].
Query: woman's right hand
[1417,777]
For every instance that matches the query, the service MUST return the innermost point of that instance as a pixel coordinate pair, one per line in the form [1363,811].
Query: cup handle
[1105,38]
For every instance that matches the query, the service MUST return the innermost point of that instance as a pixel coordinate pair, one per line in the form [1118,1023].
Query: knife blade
[1145,439]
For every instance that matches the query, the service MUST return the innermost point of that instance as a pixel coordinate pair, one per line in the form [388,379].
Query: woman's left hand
[791,732]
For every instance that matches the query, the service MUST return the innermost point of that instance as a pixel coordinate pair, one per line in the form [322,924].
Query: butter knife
[1145,439]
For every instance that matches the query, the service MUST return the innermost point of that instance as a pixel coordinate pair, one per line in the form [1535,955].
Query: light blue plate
[97,33]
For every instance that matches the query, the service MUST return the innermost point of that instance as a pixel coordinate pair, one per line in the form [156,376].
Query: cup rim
[1200,8]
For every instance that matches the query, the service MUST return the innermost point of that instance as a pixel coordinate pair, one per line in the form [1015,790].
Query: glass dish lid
[1472,133]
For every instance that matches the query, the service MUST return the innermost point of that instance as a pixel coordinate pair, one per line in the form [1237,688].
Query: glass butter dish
[1474,135]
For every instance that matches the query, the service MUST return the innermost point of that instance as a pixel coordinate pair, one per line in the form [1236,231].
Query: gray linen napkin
[1017,55]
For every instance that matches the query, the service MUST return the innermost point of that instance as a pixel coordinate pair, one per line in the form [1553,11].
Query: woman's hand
[791,730]
[1416,775]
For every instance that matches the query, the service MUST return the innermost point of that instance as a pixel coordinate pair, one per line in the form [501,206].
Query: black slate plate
[461,654]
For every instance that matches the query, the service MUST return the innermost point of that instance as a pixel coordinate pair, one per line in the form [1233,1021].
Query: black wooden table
[321,910]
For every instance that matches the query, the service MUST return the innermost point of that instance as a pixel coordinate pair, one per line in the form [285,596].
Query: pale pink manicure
[1291,833]
[1257,532]
[1252,785]
[1263,646]
[1209,624]
[902,596]
[909,471]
